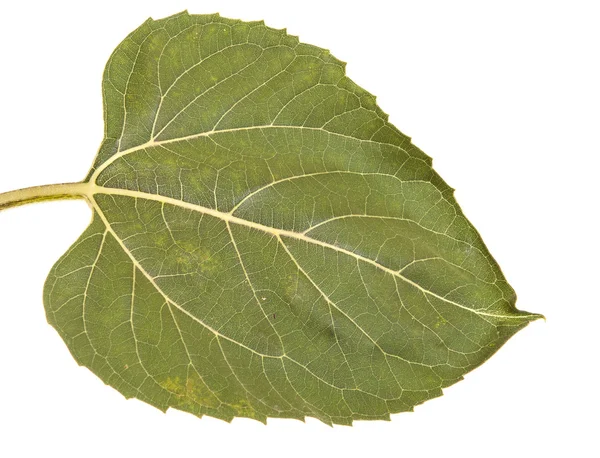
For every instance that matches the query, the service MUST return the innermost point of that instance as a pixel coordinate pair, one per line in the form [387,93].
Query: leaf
[264,242]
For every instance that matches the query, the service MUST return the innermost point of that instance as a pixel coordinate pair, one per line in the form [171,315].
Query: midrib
[275,232]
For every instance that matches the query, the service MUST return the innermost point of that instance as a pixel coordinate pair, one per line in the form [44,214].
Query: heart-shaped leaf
[264,242]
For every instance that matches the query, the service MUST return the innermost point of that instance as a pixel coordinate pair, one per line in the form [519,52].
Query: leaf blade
[299,255]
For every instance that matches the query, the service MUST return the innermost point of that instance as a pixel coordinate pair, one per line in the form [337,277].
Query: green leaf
[264,242]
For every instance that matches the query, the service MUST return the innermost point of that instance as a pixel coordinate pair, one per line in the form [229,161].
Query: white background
[505,96]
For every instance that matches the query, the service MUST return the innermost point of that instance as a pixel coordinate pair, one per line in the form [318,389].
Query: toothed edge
[385,116]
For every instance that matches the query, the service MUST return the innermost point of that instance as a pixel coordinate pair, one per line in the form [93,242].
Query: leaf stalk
[34,194]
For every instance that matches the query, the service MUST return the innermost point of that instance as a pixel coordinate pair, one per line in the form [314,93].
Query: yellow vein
[227,217]
[152,143]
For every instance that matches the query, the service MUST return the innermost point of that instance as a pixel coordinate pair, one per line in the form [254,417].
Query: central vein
[231,219]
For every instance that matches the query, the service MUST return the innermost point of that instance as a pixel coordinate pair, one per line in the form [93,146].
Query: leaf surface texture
[264,242]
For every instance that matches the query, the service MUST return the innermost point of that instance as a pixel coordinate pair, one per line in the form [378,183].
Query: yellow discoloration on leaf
[196,258]
[441,322]
[244,409]
[191,392]
[163,241]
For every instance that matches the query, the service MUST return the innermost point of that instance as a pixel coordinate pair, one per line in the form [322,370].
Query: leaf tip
[537,316]
[528,316]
